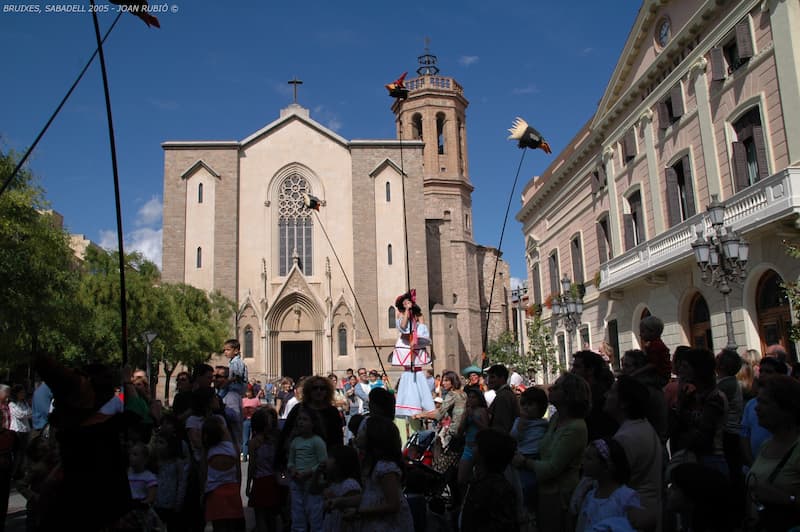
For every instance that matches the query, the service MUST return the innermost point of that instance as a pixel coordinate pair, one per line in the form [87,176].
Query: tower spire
[427,61]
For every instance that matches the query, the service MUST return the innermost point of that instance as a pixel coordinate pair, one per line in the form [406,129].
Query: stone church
[234,221]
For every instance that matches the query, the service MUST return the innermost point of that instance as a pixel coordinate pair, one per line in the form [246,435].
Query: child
[658,359]
[306,452]
[608,500]
[382,506]
[262,484]
[222,498]
[490,503]
[144,487]
[172,477]
[476,419]
[528,429]
[342,472]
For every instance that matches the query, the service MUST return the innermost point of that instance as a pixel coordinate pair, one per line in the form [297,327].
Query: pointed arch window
[388,192]
[248,342]
[342,337]
[440,120]
[199,258]
[416,126]
[295,225]
[392,319]
[200,193]
[389,254]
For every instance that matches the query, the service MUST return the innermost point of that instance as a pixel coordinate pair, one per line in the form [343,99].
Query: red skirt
[265,493]
[225,502]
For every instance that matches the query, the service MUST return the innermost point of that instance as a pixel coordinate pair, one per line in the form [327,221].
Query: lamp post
[148,337]
[568,309]
[722,257]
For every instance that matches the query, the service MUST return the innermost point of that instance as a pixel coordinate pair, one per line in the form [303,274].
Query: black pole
[122,305]
[405,217]
[55,113]
[496,262]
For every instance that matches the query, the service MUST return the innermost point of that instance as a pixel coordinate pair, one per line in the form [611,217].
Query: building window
[416,126]
[562,351]
[577,259]
[680,192]
[734,53]
[342,336]
[629,146]
[671,109]
[388,192]
[537,284]
[603,240]
[700,324]
[749,150]
[389,254]
[613,341]
[440,120]
[634,221]
[392,318]
[200,193]
[585,340]
[295,225]
[552,265]
[199,258]
[597,179]
[248,342]
[466,222]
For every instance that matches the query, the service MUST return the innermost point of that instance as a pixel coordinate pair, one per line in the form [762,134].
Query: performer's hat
[412,296]
[471,369]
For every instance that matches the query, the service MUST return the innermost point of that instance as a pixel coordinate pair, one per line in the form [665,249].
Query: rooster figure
[527,136]
[312,202]
[139,9]
[397,89]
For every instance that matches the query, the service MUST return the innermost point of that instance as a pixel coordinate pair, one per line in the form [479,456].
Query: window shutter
[673,198]
[602,250]
[630,144]
[627,220]
[688,185]
[601,172]
[594,179]
[741,179]
[761,152]
[663,115]
[577,266]
[676,94]
[744,39]
[717,64]
[640,233]
[537,285]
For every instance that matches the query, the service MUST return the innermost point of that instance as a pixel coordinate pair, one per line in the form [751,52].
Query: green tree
[541,350]
[38,274]
[505,350]
[792,289]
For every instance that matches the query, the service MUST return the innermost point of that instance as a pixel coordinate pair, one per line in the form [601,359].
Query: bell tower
[435,112]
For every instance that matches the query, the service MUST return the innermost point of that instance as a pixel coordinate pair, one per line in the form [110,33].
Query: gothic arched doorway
[774,316]
[700,324]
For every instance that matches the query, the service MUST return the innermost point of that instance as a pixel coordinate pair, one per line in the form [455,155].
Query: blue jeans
[306,507]
[245,436]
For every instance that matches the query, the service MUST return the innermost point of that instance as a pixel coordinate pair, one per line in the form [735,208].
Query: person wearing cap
[410,353]
[473,376]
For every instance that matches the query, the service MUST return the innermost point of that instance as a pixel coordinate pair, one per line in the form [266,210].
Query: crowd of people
[676,439]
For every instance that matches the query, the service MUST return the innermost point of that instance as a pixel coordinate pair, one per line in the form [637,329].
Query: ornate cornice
[698,67]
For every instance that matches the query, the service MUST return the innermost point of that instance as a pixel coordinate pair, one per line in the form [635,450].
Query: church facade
[315,289]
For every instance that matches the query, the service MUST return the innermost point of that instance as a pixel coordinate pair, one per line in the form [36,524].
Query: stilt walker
[411,353]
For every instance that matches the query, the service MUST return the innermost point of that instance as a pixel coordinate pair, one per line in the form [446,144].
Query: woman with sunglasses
[318,393]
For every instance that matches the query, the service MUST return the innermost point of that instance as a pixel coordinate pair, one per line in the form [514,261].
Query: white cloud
[146,238]
[587,50]
[529,89]
[516,282]
[150,213]
[327,117]
[467,60]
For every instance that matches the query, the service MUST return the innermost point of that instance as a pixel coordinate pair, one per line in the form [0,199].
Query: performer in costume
[410,351]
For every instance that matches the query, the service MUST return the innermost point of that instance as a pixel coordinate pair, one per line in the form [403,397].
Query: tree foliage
[505,350]
[541,350]
[792,289]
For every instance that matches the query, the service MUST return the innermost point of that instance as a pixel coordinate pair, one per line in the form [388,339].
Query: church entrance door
[296,359]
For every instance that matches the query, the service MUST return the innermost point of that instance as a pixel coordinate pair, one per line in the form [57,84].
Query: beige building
[234,221]
[704,103]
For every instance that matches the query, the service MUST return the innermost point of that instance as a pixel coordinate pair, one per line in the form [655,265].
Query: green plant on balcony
[597,279]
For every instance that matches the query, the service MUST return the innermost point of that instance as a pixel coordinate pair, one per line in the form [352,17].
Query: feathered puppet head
[311,202]
[397,89]
[527,136]
[138,8]
[411,296]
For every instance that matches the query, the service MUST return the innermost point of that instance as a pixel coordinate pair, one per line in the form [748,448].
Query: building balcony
[763,203]
[434,82]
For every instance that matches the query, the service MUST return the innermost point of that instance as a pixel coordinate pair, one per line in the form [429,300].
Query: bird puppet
[139,9]
[397,88]
[527,136]
[311,202]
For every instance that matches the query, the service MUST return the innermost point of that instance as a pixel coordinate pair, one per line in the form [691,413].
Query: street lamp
[568,309]
[148,337]
[518,293]
[722,258]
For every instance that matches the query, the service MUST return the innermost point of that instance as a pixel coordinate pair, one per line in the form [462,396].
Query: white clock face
[663,32]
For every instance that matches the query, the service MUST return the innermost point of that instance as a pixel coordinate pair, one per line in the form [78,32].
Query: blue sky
[218,71]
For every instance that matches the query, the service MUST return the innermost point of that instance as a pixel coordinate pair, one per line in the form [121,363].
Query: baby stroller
[426,489]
